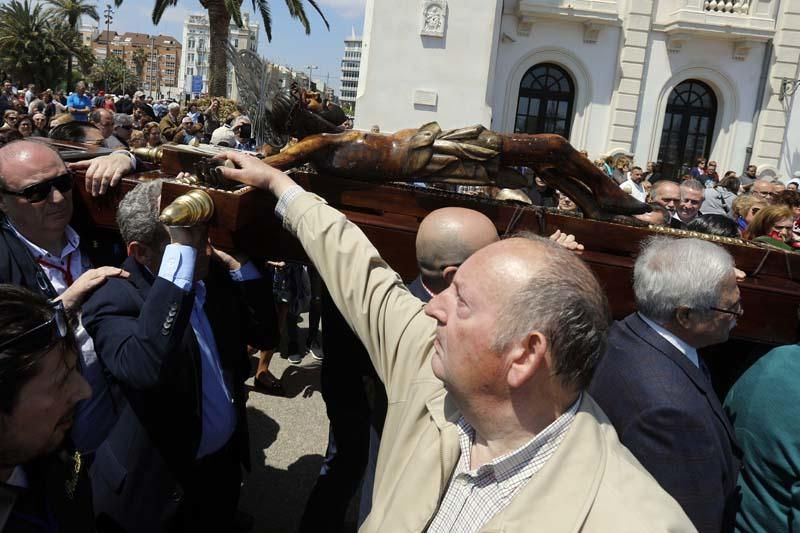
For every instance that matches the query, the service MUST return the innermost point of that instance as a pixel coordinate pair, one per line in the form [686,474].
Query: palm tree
[71,12]
[139,60]
[34,45]
[220,13]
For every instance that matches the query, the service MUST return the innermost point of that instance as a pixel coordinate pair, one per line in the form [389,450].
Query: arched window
[546,99]
[688,128]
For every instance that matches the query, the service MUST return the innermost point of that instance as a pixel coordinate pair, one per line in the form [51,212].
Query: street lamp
[108,12]
[310,68]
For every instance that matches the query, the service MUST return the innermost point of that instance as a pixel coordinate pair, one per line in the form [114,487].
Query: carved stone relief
[434,18]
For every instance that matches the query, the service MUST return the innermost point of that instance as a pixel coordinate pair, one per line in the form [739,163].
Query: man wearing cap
[223,136]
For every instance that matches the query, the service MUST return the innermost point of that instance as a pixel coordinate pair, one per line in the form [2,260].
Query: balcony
[591,13]
[735,20]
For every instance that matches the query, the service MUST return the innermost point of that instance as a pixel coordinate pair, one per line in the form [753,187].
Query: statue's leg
[583,197]
[554,153]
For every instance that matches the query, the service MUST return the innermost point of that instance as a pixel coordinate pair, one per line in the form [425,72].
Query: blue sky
[289,46]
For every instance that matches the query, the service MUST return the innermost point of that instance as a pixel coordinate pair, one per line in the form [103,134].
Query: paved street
[288,437]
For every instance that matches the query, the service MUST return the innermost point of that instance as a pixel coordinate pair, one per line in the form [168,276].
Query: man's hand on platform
[567,241]
[233,261]
[252,171]
[740,275]
[104,171]
[76,294]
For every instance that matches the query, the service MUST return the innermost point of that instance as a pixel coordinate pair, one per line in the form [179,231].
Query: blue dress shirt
[219,414]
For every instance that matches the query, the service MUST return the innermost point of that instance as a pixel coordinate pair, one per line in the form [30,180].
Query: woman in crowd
[745,209]
[720,225]
[137,139]
[698,172]
[621,168]
[10,118]
[772,226]
[25,126]
[152,134]
[719,199]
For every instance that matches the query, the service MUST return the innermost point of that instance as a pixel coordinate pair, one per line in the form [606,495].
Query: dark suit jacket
[143,336]
[666,412]
[418,289]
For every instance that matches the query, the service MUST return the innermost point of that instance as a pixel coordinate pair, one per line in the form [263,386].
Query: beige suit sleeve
[387,318]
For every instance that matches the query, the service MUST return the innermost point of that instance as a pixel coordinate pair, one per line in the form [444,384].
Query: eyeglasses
[38,192]
[125,127]
[737,310]
[54,329]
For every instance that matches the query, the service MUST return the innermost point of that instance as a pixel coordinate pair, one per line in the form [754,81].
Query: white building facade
[197,42]
[351,67]
[663,80]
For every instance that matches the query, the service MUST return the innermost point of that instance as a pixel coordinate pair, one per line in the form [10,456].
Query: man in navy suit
[655,387]
[174,336]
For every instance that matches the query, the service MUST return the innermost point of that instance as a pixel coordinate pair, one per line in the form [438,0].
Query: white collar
[18,478]
[682,346]
[73,243]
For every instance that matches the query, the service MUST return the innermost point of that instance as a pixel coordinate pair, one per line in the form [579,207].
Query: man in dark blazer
[174,335]
[654,386]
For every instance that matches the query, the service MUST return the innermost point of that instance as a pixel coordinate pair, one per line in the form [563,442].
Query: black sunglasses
[38,192]
[737,311]
[44,334]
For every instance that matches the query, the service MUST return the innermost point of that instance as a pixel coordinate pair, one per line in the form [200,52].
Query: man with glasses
[121,136]
[655,387]
[41,251]
[764,188]
[43,483]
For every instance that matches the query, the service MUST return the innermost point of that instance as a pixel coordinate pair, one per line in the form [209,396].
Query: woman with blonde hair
[745,209]
[152,134]
[773,226]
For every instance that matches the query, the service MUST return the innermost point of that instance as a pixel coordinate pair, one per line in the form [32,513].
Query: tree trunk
[219,22]
[69,73]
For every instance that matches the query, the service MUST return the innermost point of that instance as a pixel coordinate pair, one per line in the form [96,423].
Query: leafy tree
[70,12]
[220,13]
[139,59]
[34,45]
[115,71]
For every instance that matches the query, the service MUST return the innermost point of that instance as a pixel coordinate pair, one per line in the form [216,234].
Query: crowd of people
[126,121]
[765,210]
[504,396]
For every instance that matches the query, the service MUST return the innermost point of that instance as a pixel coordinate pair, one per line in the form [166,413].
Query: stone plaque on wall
[434,18]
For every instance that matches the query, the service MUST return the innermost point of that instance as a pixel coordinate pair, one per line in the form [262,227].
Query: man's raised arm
[370,295]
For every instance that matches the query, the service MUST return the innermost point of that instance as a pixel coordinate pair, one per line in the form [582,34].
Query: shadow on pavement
[275,497]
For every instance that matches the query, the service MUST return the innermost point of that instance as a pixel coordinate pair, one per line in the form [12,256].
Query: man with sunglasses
[655,387]
[41,251]
[43,483]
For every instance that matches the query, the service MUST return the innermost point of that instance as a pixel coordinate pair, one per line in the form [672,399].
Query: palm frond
[159,8]
[263,7]
[234,8]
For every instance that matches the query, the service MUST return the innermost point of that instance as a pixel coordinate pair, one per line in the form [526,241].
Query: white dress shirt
[680,344]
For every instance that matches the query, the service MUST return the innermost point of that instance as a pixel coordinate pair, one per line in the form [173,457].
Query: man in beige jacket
[488,427]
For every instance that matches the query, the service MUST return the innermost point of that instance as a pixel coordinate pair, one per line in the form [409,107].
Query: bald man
[489,427]
[447,237]
[39,250]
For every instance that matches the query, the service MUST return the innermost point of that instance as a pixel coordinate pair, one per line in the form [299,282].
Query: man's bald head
[19,156]
[446,238]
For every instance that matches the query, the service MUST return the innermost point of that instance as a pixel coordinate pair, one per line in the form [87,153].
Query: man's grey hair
[137,215]
[121,120]
[564,301]
[174,105]
[768,181]
[693,184]
[674,273]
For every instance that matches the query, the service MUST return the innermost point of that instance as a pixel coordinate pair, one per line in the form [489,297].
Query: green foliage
[139,59]
[35,45]
[113,70]
[225,10]
[69,12]
[227,107]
